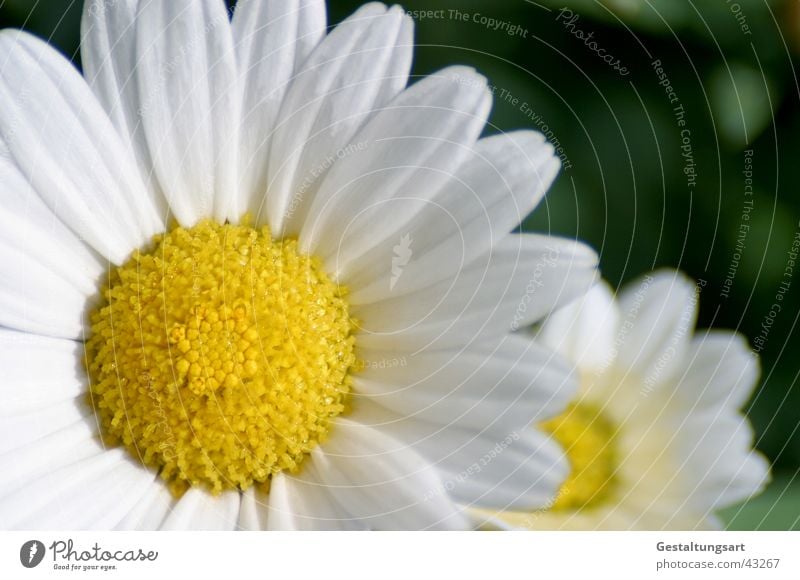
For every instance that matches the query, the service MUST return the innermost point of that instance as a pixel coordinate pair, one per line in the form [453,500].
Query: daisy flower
[655,438]
[251,279]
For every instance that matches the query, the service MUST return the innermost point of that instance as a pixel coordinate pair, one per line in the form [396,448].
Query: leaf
[778,508]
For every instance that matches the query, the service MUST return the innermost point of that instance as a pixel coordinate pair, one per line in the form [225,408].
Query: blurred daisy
[655,438]
[321,338]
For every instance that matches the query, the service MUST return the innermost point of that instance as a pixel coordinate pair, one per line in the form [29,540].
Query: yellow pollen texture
[587,437]
[220,356]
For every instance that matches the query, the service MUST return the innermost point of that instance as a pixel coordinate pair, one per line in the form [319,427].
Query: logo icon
[402,254]
[31,553]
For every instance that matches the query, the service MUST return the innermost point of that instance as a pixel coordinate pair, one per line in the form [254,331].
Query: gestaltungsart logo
[31,553]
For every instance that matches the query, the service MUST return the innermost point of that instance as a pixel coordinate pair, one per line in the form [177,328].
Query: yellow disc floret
[588,438]
[219,356]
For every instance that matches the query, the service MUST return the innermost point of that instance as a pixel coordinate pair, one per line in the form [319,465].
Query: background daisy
[655,435]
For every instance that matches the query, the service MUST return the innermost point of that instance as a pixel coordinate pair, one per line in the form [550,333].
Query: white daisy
[654,437]
[323,339]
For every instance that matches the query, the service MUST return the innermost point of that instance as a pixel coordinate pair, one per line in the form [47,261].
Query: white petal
[410,147]
[718,465]
[380,481]
[496,186]
[512,382]
[34,298]
[490,520]
[658,314]
[68,150]
[48,273]
[585,330]
[523,279]
[273,38]
[48,454]
[24,428]
[108,58]
[749,478]
[518,474]
[190,101]
[254,511]
[95,493]
[100,504]
[722,371]
[151,510]
[27,224]
[303,502]
[38,371]
[356,70]
[496,467]
[199,510]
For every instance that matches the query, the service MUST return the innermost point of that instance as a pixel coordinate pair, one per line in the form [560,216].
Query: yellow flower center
[220,356]
[588,438]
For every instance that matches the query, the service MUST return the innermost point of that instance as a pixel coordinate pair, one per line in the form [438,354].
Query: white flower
[228,358]
[655,437]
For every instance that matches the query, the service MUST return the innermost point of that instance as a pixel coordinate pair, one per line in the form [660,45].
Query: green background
[733,68]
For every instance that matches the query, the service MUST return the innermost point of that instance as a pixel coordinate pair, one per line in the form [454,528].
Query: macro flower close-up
[254,278]
[270,268]
[655,437]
